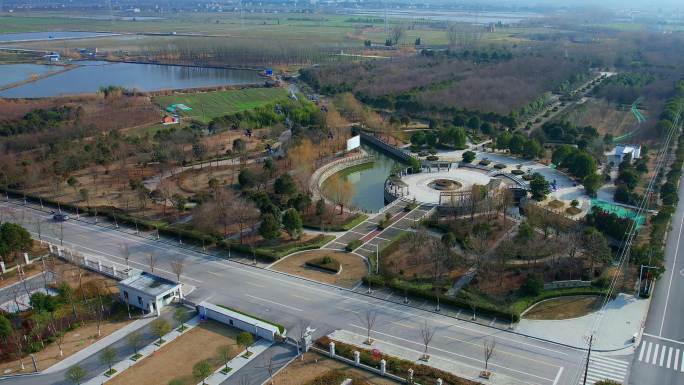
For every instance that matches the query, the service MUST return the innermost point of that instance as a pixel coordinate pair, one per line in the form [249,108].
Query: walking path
[99,345]
[626,314]
[463,370]
[144,352]
[238,363]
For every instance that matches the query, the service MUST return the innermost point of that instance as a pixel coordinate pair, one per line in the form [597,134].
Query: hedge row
[185,234]
[351,222]
[275,253]
[421,292]
[421,373]
[511,312]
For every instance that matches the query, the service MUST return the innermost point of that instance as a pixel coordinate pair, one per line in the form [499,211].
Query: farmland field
[209,105]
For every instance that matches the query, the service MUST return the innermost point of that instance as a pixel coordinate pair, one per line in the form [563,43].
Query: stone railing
[109,269]
[327,170]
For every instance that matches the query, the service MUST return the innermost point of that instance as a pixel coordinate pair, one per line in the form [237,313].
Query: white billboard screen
[353,142]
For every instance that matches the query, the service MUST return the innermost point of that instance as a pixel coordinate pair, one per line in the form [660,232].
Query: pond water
[38,36]
[12,73]
[144,77]
[485,17]
[369,181]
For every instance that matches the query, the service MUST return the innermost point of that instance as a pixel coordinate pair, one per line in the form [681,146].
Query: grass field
[209,105]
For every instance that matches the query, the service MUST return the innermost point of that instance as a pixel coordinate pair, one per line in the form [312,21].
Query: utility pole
[586,366]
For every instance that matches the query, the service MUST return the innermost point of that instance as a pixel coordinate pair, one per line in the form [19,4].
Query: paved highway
[659,358]
[293,301]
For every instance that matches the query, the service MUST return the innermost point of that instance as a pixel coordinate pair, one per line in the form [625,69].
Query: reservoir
[92,75]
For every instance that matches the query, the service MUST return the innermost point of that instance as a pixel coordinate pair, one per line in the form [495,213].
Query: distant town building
[52,57]
[149,292]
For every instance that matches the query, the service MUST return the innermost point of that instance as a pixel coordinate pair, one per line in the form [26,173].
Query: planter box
[226,370]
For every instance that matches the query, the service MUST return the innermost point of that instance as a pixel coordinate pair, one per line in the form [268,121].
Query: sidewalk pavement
[621,319]
[99,345]
[238,363]
[462,370]
[256,372]
[144,352]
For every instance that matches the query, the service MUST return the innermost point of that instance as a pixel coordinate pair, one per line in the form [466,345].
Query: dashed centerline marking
[273,303]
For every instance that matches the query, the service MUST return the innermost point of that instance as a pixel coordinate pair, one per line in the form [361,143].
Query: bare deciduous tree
[177,266]
[151,260]
[126,252]
[368,319]
[397,33]
[426,333]
[489,346]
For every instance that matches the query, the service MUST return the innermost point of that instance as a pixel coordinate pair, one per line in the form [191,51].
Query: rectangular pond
[12,73]
[92,75]
[58,35]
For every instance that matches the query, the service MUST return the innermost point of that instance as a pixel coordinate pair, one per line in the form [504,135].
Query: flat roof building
[149,292]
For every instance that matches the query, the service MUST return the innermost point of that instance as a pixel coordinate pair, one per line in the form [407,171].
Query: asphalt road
[659,358]
[295,302]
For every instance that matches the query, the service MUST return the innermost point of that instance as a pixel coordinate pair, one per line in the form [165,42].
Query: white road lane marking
[558,375]
[669,358]
[301,297]
[676,359]
[642,350]
[324,292]
[669,285]
[662,356]
[648,352]
[273,303]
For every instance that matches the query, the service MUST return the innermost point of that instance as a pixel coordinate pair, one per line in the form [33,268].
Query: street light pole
[586,366]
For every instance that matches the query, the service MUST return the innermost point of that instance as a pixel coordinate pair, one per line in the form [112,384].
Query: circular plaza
[433,187]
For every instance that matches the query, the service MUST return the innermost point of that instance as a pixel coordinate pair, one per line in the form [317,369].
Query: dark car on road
[60,217]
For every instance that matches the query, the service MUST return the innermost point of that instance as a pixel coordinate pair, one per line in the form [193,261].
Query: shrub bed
[349,224]
[353,245]
[326,263]
[274,253]
[421,373]
[517,172]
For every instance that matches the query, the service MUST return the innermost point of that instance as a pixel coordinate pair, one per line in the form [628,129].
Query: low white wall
[241,321]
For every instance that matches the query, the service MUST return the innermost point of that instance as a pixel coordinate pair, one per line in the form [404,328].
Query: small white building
[618,154]
[149,292]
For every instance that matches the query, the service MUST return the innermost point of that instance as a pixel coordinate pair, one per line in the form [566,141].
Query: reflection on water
[144,77]
[12,73]
[369,182]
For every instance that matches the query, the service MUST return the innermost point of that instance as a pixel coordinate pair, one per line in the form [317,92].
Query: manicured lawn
[209,105]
